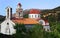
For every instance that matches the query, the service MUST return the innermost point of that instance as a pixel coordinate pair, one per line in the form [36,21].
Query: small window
[47,29]
[19,14]
[7,23]
[8,10]
[35,16]
[38,16]
[32,16]
[41,22]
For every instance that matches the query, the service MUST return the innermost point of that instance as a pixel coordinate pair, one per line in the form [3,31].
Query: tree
[36,31]
[55,30]
[51,18]
[20,31]
[26,16]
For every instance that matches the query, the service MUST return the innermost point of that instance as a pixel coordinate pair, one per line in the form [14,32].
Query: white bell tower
[19,11]
[8,13]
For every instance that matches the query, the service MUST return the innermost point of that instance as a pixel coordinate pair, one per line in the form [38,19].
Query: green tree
[26,16]
[20,31]
[55,30]
[36,31]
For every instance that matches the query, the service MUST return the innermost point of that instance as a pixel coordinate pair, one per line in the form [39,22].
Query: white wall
[47,28]
[7,29]
[45,25]
[42,22]
[34,15]
[8,13]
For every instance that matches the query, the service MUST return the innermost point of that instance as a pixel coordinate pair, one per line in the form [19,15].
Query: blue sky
[27,4]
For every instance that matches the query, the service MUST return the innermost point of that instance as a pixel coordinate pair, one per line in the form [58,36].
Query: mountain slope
[2,18]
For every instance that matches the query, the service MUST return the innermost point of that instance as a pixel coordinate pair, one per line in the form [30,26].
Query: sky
[28,4]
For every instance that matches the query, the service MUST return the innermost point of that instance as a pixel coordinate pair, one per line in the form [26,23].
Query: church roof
[35,11]
[25,21]
[46,23]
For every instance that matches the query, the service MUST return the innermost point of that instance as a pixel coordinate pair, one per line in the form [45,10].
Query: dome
[19,4]
[34,11]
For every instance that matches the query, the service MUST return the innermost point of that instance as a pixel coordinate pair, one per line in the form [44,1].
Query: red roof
[25,21]
[34,11]
[46,23]
[19,4]
[38,19]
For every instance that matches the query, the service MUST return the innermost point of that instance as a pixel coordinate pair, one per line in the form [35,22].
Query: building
[7,26]
[34,13]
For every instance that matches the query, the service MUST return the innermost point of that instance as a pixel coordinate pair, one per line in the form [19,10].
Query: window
[41,22]
[35,16]
[7,13]
[19,14]
[38,16]
[32,16]
[47,29]
[7,23]
[8,10]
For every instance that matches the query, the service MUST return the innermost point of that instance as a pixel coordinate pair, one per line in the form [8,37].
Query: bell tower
[19,11]
[8,13]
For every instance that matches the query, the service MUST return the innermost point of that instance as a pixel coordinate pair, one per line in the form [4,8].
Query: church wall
[34,15]
[7,27]
[46,27]
[28,26]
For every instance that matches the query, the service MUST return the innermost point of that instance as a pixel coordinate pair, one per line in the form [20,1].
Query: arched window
[7,13]
[38,16]
[47,29]
[32,16]
[19,15]
[35,16]
[42,22]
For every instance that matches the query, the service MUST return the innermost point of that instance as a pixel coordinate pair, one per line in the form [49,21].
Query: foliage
[20,31]
[55,29]
[51,18]
[26,16]
[2,18]
[37,31]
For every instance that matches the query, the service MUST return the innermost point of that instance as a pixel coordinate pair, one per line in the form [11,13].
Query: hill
[2,18]
[57,8]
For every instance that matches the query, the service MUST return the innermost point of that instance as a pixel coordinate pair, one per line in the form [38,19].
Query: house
[7,26]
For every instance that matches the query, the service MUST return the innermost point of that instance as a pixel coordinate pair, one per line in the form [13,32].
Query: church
[34,17]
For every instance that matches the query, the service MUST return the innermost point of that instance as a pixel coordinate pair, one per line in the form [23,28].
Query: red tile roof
[34,11]
[25,21]
[46,23]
